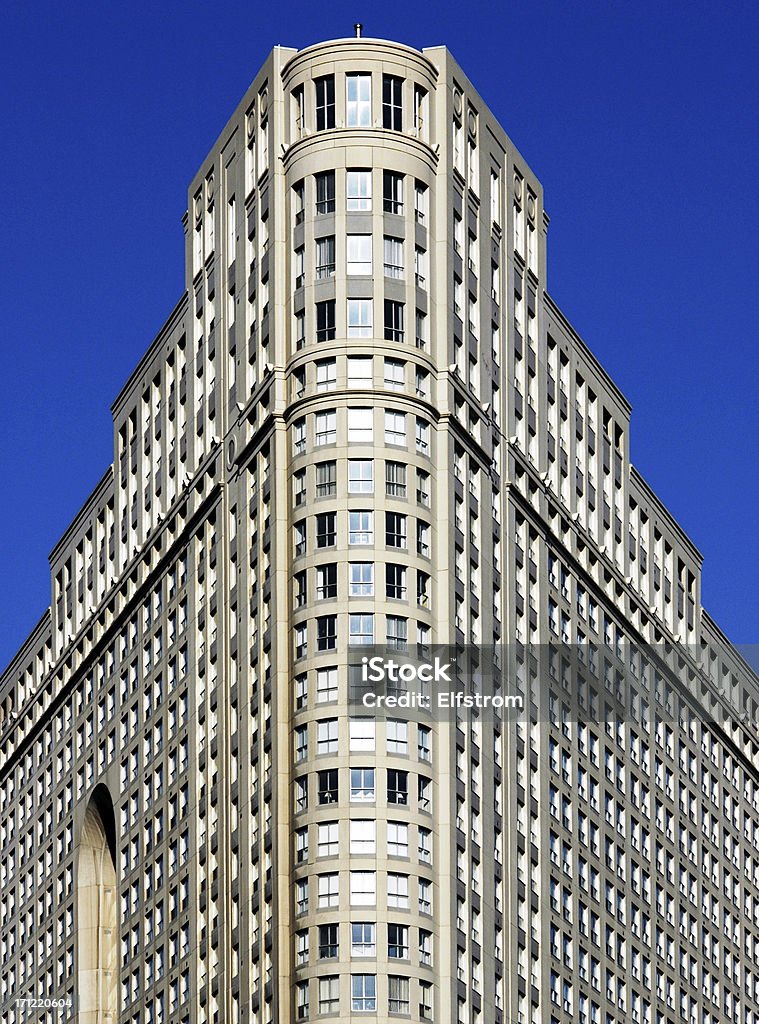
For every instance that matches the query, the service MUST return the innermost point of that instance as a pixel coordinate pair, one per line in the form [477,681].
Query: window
[392,102]
[326,529]
[420,202]
[473,166]
[326,375]
[299,372]
[328,839]
[423,589]
[363,891]
[360,528]
[395,427]
[360,318]
[423,538]
[325,427]
[363,837]
[299,263]
[360,476]
[361,579]
[425,896]
[360,371]
[362,940]
[397,892]
[395,374]
[301,896]
[299,587]
[457,297]
[392,192]
[299,437]
[423,488]
[326,633]
[326,582]
[301,1000]
[532,251]
[325,320]
[420,266]
[326,736]
[358,190]
[495,294]
[425,999]
[301,691]
[397,839]
[398,1000]
[473,324]
[328,892]
[359,254]
[395,530]
[395,479]
[299,538]
[397,942]
[301,743]
[358,95]
[325,192]
[301,794]
[328,941]
[397,787]
[300,339]
[362,785]
[495,197]
[395,582]
[397,737]
[326,685]
[364,993]
[425,846]
[397,632]
[422,436]
[361,630]
[299,488]
[301,845]
[325,257]
[393,257]
[329,991]
[393,320]
[425,947]
[325,102]
[421,329]
[361,732]
[424,789]
[299,201]
[360,429]
[326,479]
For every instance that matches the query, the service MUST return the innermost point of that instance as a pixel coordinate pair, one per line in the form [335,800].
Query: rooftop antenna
[358,28]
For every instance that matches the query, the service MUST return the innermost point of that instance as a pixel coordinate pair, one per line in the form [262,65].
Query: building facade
[366,422]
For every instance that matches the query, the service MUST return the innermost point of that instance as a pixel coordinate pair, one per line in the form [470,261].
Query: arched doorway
[97,916]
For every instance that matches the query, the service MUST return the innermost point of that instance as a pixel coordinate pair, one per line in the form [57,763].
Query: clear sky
[640,119]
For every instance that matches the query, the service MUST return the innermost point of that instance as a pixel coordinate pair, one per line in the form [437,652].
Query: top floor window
[420,112]
[297,110]
[392,102]
[358,95]
[325,102]
[495,197]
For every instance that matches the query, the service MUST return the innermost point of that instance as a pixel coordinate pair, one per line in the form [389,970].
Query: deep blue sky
[639,119]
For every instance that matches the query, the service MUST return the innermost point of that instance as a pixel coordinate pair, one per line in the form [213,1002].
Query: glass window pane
[358,189]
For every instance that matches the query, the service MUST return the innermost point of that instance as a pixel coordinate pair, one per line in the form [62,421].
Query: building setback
[366,421]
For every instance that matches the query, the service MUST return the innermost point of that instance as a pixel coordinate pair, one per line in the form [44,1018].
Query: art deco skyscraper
[366,422]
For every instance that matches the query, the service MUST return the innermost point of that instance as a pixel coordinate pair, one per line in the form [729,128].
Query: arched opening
[97,918]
